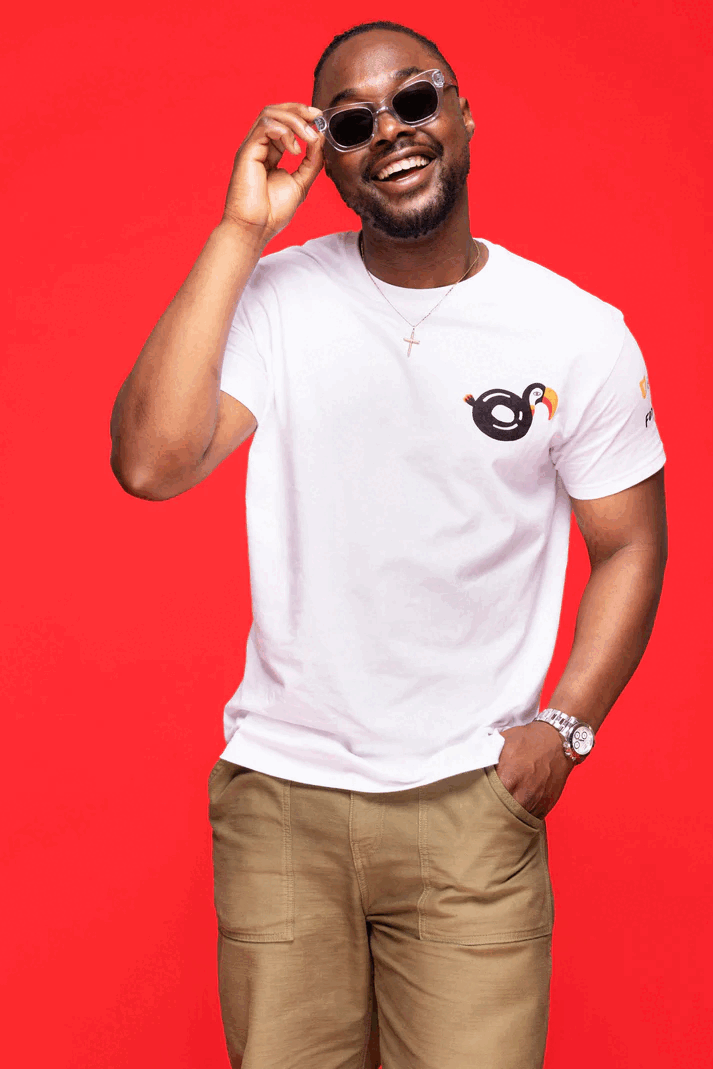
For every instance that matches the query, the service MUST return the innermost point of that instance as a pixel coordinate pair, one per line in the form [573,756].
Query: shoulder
[559,305]
[318,257]
[283,283]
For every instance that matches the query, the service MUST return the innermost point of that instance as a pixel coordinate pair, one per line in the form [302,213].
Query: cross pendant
[411,341]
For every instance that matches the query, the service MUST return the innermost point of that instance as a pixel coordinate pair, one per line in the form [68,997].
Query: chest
[461,395]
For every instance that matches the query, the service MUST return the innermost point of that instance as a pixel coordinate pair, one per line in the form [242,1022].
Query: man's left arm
[626,538]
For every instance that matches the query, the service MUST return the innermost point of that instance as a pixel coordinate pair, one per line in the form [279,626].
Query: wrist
[549,741]
[549,734]
[251,236]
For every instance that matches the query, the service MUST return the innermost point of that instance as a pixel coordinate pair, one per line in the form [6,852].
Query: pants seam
[367,1031]
[289,860]
[425,863]
[357,860]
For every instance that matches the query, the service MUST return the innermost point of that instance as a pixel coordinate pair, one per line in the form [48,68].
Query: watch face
[582,740]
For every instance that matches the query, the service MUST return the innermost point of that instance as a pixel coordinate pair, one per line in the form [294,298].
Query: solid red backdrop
[125,621]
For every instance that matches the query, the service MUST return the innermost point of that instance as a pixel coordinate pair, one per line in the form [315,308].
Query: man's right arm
[171,425]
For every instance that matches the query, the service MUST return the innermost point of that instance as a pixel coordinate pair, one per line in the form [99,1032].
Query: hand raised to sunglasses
[261,195]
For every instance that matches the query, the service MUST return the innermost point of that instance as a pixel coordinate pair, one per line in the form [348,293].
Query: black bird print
[522,409]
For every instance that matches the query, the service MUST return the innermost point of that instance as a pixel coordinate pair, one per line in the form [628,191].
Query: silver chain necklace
[412,340]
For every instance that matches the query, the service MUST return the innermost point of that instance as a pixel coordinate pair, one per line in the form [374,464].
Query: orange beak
[550,400]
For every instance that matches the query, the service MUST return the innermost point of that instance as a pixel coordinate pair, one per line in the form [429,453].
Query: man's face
[369,67]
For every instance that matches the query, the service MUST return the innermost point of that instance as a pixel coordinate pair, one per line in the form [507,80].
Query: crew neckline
[412,293]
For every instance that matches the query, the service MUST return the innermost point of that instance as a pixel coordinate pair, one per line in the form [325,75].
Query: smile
[401,167]
[400,170]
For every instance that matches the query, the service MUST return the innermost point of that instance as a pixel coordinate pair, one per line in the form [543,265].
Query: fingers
[284,123]
[280,135]
[310,166]
[306,113]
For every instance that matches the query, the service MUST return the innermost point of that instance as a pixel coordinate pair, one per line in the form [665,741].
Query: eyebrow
[354,94]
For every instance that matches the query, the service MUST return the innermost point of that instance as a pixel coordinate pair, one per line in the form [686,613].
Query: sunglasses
[415,102]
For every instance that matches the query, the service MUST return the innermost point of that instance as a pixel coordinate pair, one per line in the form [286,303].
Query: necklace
[412,340]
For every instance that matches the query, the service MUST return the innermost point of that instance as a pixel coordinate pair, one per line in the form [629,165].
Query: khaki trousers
[410,928]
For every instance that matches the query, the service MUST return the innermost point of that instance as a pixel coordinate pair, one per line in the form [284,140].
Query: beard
[402,222]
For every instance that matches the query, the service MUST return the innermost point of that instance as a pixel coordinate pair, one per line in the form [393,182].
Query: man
[429,408]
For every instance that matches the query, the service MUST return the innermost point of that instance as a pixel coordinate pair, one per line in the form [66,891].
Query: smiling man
[429,408]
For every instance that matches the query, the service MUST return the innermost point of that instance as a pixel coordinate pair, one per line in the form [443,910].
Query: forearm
[614,622]
[165,413]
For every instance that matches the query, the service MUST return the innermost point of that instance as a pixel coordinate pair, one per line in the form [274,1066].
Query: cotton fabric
[408,551]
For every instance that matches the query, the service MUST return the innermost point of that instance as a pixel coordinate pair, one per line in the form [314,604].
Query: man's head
[367,63]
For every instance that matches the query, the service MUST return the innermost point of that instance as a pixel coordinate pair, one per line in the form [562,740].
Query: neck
[435,259]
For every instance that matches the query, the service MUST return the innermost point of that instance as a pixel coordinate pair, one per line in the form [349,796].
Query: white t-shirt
[408,546]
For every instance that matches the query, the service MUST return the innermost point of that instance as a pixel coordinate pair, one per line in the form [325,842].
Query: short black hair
[365,27]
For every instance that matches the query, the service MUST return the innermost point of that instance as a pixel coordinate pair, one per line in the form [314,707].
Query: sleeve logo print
[506,417]
[646,392]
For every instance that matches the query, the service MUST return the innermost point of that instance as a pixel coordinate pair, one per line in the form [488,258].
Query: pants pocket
[253,877]
[509,801]
[483,864]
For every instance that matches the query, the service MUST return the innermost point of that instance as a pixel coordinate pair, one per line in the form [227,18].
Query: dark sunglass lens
[350,128]
[416,102]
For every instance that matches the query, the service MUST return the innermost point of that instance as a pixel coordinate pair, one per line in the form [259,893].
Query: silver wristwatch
[577,737]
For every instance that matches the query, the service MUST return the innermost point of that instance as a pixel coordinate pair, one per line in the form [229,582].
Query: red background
[125,620]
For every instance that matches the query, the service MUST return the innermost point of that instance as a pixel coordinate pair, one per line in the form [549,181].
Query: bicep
[633,517]
[234,424]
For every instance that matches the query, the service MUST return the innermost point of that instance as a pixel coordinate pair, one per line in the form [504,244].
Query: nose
[387,127]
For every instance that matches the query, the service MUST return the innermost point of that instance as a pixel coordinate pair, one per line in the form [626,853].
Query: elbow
[142,481]
[137,483]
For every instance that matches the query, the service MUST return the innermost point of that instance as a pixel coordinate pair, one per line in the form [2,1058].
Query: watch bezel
[589,732]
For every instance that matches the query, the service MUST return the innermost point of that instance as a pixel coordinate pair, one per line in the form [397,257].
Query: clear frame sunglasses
[417,101]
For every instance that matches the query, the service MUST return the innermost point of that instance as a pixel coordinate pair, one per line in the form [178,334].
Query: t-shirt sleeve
[244,374]
[615,442]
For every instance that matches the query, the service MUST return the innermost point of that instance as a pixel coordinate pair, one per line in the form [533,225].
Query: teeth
[403,165]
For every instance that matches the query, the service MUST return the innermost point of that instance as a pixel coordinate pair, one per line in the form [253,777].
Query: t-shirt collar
[404,296]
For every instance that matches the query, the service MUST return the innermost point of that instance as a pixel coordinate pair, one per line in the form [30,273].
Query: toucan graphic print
[505,416]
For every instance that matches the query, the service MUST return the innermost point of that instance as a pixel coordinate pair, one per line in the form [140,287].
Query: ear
[466,115]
